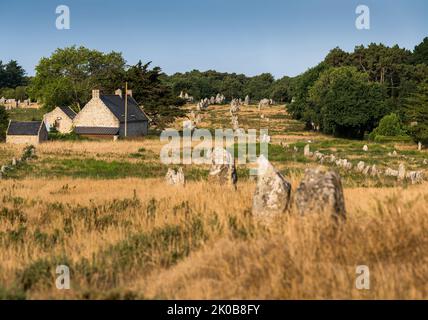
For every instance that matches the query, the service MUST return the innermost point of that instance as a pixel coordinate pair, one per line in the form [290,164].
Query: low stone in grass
[175,177]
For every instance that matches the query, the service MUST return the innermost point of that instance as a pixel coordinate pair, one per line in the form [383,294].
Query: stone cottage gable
[59,119]
[96,114]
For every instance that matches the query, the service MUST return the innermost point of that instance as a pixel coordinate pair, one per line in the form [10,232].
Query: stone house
[104,117]
[31,132]
[61,118]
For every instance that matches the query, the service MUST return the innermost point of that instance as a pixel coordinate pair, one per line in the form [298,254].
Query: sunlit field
[103,209]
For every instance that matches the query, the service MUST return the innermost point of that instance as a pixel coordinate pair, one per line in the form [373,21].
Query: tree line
[347,94]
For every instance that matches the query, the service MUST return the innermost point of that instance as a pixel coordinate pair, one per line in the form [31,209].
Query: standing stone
[321,192]
[247,100]
[264,103]
[419,146]
[223,168]
[265,138]
[318,155]
[189,125]
[273,192]
[218,99]
[415,176]
[401,172]
[307,151]
[365,148]
[391,173]
[367,170]
[234,106]
[175,177]
[235,122]
[360,166]
[374,171]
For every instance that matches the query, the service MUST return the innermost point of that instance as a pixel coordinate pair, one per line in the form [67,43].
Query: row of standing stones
[28,153]
[368,170]
[319,191]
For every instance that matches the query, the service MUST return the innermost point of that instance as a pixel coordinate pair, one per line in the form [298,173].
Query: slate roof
[97,130]
[30,128]
[69,112]
[116,104]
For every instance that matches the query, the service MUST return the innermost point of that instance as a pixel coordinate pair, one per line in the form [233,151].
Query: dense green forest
[347,94]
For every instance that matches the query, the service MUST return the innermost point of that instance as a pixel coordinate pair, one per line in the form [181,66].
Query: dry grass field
[103,209]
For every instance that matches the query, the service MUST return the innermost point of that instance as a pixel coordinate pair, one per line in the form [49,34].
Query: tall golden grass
[200,242]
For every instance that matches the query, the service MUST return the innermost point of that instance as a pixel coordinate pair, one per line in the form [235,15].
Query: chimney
[118,92]
[95,93]
[129,92]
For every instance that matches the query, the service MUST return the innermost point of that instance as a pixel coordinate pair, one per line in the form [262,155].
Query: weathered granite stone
[175,177]
[223,168]
[391,173]
[264,103]
[273,192]
[415,176]
[307,151]
[360,166]
[247,100]
[320,192]
[401,172]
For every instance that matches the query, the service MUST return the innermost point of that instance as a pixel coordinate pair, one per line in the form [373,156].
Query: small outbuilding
[60,118]
[30,132]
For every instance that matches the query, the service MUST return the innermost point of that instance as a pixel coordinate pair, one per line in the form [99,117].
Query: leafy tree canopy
[345,103]
[68,76]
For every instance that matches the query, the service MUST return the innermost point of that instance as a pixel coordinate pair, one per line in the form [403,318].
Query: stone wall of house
[57,117]
[95,114]
[135,129]
[23,139]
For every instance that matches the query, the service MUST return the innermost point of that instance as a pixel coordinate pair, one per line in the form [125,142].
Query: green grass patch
[26,114]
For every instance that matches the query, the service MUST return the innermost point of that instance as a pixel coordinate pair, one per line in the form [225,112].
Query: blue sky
[243,36]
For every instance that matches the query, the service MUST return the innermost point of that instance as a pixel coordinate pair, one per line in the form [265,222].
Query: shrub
[55,135]
[389,126]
